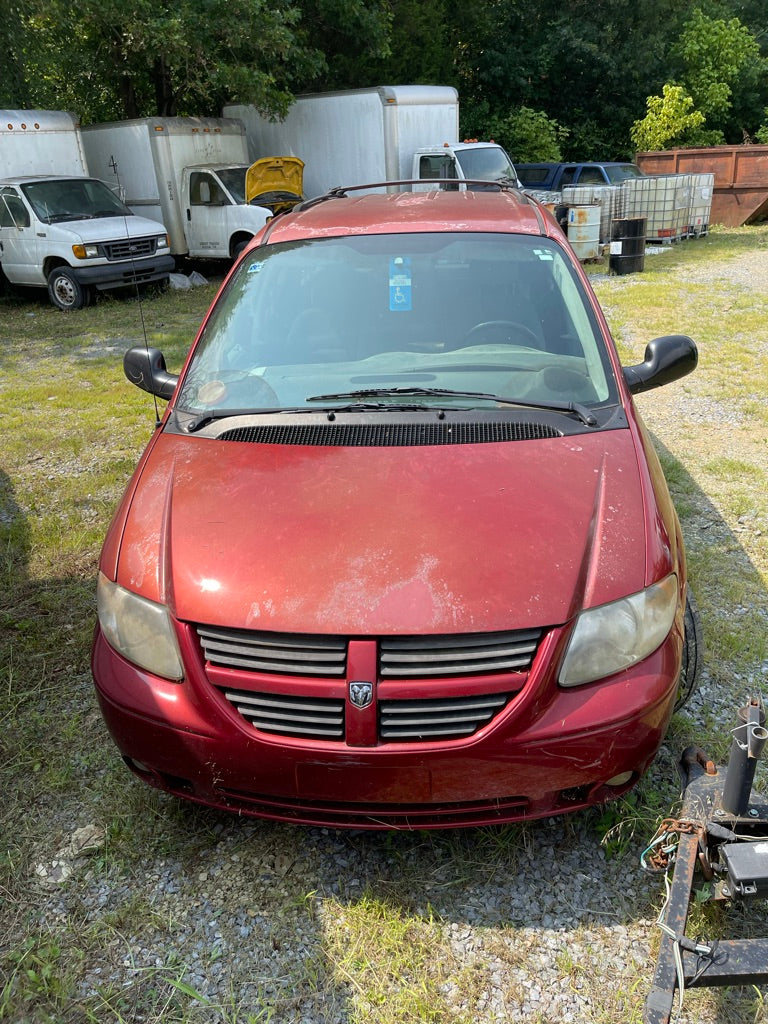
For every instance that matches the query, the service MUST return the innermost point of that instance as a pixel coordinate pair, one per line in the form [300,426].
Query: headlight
[85,252]
[163,242]
[138,629]
[613,636]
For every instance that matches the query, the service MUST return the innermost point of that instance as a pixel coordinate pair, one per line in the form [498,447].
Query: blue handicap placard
[400,284]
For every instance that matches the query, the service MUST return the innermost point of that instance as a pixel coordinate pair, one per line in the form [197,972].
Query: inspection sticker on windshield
[400,284]
[543,254]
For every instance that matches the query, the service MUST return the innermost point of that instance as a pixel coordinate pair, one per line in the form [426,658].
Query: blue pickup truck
[554,177]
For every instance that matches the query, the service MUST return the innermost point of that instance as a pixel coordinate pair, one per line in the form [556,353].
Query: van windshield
[234,180]
[467,312]
[489,163]
[64,199]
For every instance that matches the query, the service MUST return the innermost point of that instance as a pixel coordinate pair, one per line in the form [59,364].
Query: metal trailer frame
[717,826]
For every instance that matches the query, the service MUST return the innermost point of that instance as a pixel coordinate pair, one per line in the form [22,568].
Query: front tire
[693,652]
[65,291]
[238,248]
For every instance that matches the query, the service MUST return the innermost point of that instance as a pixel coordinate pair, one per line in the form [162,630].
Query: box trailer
[189,173]
[61,228]
[366,136]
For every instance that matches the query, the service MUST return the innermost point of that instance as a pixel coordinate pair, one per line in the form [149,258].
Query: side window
[437,166]
[204,190]
[569,174]
[591,176]
[13,212]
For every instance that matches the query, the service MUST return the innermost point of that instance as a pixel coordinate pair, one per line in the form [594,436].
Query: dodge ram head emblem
[361,694]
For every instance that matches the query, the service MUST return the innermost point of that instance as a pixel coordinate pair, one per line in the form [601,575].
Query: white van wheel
[65,291]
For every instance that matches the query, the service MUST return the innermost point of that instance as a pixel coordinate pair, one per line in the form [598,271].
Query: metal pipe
[743,759]
[758,736]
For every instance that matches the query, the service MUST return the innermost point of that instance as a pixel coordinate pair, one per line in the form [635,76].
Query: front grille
[130,248]
[431,717]
[290,715]
[471,654]
[400,721]
[285,654]
[403,721]
[395,435]
[377,815]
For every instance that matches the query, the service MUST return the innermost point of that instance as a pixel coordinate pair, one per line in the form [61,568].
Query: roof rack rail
[452,184]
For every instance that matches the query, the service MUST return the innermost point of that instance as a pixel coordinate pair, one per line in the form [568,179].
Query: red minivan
[400,553]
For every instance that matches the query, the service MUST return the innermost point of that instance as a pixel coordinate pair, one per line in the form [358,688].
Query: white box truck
[383,134]
[61,228]
[190,173]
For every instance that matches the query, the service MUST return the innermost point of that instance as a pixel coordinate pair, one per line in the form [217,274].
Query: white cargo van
[61,228]
[189,173]
[361,136]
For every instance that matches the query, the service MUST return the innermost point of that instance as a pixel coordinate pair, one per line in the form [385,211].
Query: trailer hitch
[724,833]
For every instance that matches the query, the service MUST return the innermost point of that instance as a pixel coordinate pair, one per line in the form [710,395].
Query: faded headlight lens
[138,629]
[85,252]
[614,636]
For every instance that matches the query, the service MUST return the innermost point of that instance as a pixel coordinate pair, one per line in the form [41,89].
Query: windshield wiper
[225,414]
[58,218]
[575,408]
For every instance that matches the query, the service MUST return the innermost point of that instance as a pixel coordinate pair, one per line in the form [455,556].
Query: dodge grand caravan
[400,553]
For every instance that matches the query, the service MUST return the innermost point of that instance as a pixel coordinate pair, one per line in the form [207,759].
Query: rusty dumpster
[741,178]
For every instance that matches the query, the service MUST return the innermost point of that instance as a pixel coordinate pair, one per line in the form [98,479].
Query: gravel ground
[240,920]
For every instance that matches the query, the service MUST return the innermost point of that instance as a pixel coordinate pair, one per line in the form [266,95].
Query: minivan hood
[386,540]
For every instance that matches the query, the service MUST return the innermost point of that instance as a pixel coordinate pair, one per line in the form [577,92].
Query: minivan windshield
[64,199]
[462,312]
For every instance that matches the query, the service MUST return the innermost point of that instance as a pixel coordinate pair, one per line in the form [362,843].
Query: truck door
[206,216]
[18,240]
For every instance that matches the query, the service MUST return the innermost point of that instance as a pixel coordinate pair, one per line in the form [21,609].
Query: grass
[185,915]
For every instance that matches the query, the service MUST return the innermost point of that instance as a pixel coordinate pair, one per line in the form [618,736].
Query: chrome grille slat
[441,718]
[292,716]
[470,654]
[129,248]
[278,653]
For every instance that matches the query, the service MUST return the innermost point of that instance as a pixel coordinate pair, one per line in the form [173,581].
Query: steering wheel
[508,327]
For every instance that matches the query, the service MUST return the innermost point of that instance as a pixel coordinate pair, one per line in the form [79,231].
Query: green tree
[588,64]
[717,60]
[421,47]
[713,53]
[129,58]
[671,118]
[527,135]
[13,84]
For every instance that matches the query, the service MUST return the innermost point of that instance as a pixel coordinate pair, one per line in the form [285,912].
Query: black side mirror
[666,359]
[145,367]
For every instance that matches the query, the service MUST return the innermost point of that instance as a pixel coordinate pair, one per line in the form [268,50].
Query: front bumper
[125,273]
[541,756]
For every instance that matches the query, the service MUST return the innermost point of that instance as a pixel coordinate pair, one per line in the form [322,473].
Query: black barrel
[627,246]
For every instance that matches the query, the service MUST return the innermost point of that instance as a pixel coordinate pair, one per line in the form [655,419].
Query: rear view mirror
[666,359]
[145,367]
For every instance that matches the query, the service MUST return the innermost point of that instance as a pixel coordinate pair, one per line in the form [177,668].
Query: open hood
[276,182]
